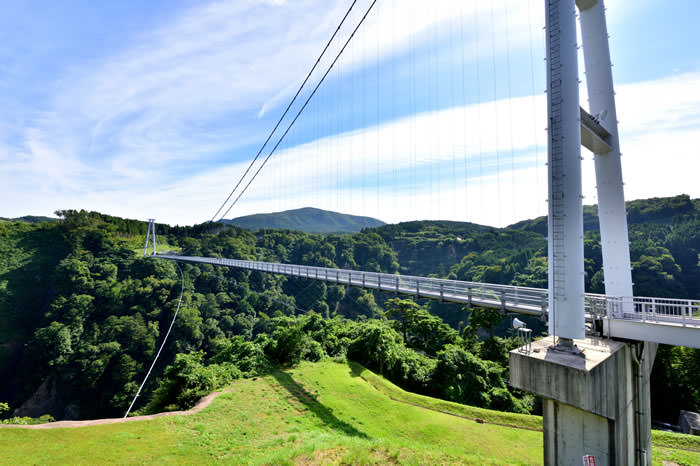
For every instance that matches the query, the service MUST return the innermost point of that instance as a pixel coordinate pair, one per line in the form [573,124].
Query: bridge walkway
[659,320]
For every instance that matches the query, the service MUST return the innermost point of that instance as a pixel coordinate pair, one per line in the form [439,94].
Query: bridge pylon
[150,235]
[595,390]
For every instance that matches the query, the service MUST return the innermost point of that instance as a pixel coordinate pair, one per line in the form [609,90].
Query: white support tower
[595,396]
[565,226]
[611,199]
[151,233]
[570,126]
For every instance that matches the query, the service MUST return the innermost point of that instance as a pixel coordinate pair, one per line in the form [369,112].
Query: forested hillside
[82,313]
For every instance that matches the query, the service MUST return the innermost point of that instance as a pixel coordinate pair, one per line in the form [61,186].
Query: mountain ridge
[307,219]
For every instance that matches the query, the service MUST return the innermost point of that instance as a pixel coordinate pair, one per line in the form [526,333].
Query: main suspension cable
[285,111]
[302,108]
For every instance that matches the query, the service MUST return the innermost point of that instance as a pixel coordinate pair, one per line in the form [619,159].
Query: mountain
[655,210]
[307,219]
[434,246]
[30,219]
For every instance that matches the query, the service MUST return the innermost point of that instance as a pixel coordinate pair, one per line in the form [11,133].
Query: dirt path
[201,404]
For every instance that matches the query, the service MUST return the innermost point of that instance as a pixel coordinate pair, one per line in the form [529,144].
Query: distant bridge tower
[595,391]
[150,234]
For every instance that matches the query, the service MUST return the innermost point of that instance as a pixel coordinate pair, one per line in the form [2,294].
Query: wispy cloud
[183,97]
[660,131]
[170,100]
[482,163]
[165,124]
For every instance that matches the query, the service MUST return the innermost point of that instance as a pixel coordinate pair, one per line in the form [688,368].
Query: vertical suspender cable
[453,113]
[534,99]
[414,110]
[377,115]
[394,128]
[437,107]
[495,109]
[353,133]
[464,113]
[510,114]
[285,111]
[478,108]
[306,103]
[363,65]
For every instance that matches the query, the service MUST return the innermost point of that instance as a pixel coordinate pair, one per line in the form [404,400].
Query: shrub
[187,380]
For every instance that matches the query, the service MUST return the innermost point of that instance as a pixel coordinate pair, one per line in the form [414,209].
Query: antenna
[151,229]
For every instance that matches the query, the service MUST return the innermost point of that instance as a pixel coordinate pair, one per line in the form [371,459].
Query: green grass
[455,409]
[315,413]
[318,413]
[667,446]
[670,439]
[136,243]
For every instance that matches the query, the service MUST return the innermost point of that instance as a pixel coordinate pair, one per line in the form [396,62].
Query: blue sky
[435,110]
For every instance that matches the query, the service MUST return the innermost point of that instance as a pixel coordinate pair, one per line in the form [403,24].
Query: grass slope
[307,219]
[315,413]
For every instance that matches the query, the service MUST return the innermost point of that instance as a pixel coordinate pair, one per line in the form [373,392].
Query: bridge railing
[533,301]
[527,300]
[648,309]
[595,305]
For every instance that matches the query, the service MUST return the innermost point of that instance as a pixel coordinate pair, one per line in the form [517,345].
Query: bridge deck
[660,320]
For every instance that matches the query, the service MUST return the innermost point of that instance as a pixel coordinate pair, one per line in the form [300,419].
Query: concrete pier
[595,399]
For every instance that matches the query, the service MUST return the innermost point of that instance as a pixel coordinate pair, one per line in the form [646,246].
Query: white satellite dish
[517,323]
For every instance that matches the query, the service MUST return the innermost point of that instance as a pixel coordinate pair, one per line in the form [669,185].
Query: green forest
[82,312]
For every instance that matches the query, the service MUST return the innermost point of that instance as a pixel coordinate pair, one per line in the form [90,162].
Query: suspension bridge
[659,320]
[593,370]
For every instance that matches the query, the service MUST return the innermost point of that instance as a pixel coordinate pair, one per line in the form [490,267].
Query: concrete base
[689,422]
[595,401]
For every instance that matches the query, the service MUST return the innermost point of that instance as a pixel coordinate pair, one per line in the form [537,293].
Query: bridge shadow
[309,400]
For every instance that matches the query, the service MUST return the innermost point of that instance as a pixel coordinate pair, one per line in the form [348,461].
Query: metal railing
[521,299]
[525,300]
[646,309]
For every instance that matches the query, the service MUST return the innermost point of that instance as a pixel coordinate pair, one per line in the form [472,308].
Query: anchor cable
[179,302]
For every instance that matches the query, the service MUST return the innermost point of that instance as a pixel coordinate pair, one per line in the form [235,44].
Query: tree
[462,377]
[73,276]
[378,346]
[248,356]
[483,318]
[187,379]
[51,344]
[420,329]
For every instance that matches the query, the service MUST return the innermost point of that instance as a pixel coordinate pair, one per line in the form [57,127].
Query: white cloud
[175,99]
[659,130]
[142,132]
[466,140]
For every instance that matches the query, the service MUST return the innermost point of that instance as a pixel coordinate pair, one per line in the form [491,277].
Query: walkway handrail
[658,316]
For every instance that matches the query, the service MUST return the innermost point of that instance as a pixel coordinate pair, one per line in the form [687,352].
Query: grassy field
[315,413]
[136,243]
